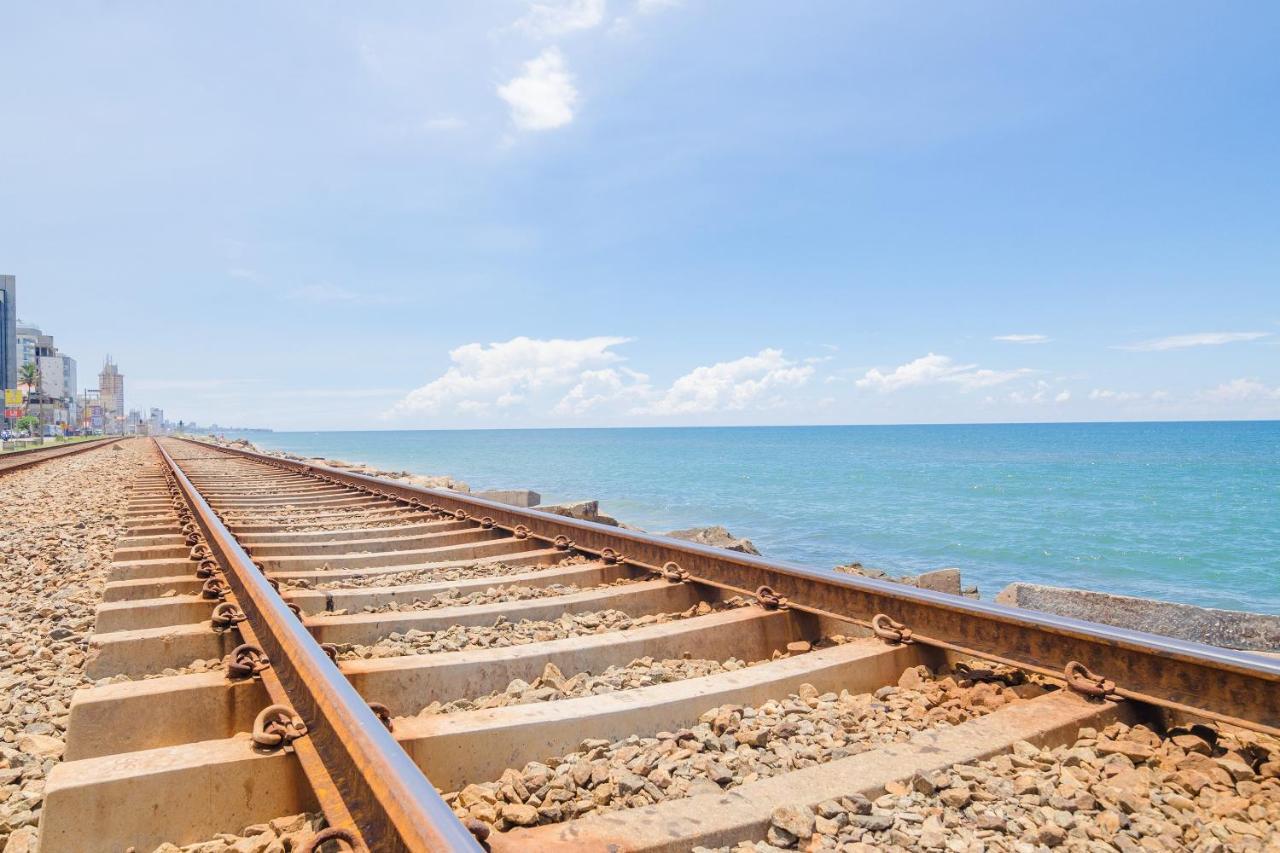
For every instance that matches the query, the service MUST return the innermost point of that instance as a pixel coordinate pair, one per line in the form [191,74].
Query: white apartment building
[56,396]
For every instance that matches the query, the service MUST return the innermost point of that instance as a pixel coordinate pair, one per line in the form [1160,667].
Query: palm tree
[29,375]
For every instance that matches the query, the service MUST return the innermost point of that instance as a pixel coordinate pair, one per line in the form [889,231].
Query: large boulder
[515,497]
[717,537]
[939,580]
[583,511]
[443,481]
[864,571]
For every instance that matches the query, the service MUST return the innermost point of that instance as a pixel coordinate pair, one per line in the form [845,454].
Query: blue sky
[606,212]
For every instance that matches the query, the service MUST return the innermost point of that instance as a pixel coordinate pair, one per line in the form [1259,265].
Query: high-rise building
[155,423]
[30,339]
[111,387]
[68,376]
[8,331]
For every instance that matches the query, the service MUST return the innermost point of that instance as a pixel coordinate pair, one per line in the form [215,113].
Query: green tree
[30,376]
[30,423]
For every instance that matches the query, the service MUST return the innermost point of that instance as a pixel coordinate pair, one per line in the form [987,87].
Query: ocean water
[1185,512]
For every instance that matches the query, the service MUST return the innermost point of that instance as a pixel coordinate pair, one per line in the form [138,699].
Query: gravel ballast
[431,574]
[503,633]
[59,527]
[1125,789]
[492,595]
[281,835]
[729,745]
[298,519]
[553,684]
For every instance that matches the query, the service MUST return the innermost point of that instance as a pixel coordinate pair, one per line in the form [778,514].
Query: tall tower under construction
[111,386]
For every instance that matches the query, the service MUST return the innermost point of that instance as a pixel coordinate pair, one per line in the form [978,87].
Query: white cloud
[1199,339]
[923,371]
[555,19]
[969,380]
[932,369]
[575,378]
[600,388]
[503,373]
[1241,391]
[623,23]
[509,399]
[1237,398]
[1036,393]
[1022,339]
[732,385]
[543,97]
[1115,396]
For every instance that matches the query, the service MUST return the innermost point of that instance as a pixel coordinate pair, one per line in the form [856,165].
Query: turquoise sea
[1185,512]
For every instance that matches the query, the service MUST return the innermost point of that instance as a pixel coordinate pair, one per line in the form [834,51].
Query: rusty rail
[1234,687]
[365,782]
[16,460]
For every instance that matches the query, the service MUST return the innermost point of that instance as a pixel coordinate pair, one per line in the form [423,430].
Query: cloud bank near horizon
[592,381]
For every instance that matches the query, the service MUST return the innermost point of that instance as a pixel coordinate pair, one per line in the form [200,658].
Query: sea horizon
[756,426]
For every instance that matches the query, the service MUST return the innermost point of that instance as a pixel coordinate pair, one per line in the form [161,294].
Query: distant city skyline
[52,392]
[629,212]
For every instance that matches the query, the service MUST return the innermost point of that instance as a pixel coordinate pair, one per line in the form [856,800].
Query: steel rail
[389,801]
[16,460]
[1235,687]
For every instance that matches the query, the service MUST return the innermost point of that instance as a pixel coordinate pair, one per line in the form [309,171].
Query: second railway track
[16,460]
[435,671]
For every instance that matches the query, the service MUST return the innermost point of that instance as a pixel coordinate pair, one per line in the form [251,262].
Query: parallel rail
[288,557]
[17,460]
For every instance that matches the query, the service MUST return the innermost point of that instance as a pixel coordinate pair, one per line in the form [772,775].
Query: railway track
[432,671]
[18,459]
